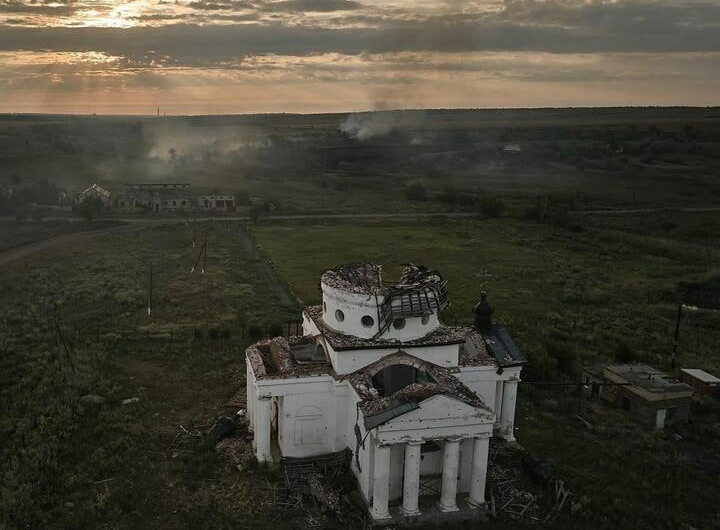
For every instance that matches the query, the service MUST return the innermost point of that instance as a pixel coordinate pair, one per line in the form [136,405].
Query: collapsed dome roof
[367,278]
[355,277]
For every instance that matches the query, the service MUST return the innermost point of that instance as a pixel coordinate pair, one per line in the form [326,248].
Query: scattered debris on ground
[524,488]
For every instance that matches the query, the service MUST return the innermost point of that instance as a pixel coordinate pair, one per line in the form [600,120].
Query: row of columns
[411,479]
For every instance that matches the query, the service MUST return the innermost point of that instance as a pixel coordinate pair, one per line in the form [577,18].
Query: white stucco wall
[355,306]
[348,361]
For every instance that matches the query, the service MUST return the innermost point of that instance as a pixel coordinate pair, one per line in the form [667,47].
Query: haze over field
[226,56]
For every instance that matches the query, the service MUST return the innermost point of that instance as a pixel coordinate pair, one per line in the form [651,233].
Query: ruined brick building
[378,373]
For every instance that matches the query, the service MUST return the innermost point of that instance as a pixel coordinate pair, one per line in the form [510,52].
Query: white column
[381,482]
[660,418]
[411,479]
[476,497]
[250,396]
[466,451]
[498,404]
[451,457]
[262,428]
[507,427]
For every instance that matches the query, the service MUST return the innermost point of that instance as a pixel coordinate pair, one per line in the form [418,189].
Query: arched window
[320,354]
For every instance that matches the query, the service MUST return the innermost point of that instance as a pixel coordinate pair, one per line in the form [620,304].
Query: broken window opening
[394,378]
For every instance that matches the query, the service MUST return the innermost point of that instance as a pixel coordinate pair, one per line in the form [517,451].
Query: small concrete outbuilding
[653,397]
[703,382]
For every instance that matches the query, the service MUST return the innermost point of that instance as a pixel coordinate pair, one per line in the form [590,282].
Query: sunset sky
[237,56]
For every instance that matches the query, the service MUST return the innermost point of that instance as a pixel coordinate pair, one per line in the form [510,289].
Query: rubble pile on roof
[372,402]
[274,358]
[340,341]
[355,278]
[474,351]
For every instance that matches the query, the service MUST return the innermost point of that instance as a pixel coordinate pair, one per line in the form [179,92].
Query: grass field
[66,462]
[14,234]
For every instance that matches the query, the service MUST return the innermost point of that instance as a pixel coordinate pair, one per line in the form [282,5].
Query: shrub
[564,354]
[416,192]
[449,194]
[255,332]
[491,206]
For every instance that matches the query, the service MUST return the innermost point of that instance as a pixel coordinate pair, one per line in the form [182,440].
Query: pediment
[440,410]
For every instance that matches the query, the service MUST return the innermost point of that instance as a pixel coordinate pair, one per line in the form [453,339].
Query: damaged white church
[378,373]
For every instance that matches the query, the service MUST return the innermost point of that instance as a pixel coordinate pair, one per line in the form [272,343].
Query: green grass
[14,234]
[540,279]
[67,464]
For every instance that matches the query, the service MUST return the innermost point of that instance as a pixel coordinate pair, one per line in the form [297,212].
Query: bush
[564,354]
[491,206]
[416,192]
[449,194]
[255,332]
[624,352]
[541,366]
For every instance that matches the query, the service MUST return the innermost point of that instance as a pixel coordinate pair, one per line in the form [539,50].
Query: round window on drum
[399,323]
[339,315]
[367,321]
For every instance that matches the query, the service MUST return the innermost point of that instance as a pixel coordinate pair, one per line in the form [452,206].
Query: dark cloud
[220,5]
[301,6]
[524,25]
[34,8]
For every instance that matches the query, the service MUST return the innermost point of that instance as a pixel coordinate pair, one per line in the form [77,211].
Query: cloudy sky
[232,56]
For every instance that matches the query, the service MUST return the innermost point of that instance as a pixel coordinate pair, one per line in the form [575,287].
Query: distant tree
[255,212]
[255,332]
[90,208]
[37,214]
[416,192]
[449,194]
[173,154]
[491,206]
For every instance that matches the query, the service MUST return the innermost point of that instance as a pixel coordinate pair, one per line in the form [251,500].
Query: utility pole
[204,255]
[201,254]
[677,335]
[61,343]
[149,300]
